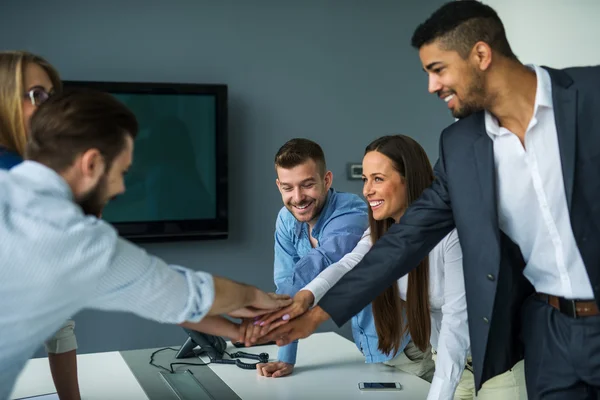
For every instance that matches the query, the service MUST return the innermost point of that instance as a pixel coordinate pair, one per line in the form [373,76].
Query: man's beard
[314,215]
[476,94]
[93,202]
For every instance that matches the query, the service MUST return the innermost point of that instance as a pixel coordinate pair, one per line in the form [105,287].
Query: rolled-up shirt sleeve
[332,274]
[63,340]
[145,285]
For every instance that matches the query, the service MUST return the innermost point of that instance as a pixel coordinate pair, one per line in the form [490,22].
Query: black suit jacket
[463,195]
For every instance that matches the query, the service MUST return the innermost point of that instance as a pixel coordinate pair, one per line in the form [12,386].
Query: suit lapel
[564,99]
[486,171]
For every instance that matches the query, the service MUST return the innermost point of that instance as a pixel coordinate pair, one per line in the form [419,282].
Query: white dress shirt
[532,205]
[56,261]
[447,301]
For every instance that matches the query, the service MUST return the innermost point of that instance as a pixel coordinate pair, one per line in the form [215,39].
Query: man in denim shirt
[316,227]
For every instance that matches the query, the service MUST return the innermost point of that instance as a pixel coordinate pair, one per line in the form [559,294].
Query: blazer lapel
[486,171]
[564,99]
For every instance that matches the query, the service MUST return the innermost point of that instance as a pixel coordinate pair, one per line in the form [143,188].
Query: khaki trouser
[63,340]
[509,385]
[414,361]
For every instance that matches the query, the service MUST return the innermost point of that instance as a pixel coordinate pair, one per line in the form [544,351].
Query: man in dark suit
[518,176]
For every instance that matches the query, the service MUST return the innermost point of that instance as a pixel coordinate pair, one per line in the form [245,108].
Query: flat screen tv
[176,188]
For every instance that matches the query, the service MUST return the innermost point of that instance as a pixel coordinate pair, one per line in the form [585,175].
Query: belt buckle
[567,307]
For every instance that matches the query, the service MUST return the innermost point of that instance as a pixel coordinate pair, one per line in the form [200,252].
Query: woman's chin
[380,216]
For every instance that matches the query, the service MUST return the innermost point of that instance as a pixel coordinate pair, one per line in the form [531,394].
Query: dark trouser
[562,354]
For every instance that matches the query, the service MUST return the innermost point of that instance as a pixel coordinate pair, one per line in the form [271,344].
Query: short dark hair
[297,151]
[460,24]
[75,121]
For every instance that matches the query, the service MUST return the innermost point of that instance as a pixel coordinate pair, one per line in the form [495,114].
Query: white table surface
[102,376]
[328,367]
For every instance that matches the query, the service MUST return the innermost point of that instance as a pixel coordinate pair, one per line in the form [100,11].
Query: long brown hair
[12,70]
[411,162]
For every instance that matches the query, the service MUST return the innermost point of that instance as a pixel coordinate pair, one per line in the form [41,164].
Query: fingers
[279,332]
[276,296]
[259,369]
[251,312]
[270,302]
[297,311]
[281,317]
[276,315]
[266,369]
[242,330]
[274,369]
[284,302]
[249,333]
[268,328]
[255,333]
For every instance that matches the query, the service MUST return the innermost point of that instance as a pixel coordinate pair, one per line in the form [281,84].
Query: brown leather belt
[572,308]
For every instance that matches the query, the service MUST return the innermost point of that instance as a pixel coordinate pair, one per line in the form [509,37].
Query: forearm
[63,367]
[230,296]
[214,325]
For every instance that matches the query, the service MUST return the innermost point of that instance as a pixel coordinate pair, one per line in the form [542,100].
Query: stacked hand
[263,303]
[284,326]
[298,328]
[252,329]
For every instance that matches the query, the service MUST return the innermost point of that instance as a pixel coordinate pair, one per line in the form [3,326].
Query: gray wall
[339,72]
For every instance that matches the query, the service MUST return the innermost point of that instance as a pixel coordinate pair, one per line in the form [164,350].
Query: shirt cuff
[64,339]
[318,287]
[441,389]
[201,294]
[287,354]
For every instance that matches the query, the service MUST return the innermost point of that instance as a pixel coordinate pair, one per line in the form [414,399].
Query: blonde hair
[13,135]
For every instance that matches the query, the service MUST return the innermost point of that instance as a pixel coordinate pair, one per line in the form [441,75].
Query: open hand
[298,328]
[274,369]
[263,303]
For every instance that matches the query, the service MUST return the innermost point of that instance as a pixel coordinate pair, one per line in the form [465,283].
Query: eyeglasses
[38,95]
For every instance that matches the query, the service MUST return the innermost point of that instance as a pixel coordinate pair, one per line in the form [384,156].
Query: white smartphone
[379,386]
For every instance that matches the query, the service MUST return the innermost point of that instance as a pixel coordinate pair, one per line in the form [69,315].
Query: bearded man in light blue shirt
[57,257]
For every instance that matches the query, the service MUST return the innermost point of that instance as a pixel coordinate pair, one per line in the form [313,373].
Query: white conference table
[101,376]
[328,367]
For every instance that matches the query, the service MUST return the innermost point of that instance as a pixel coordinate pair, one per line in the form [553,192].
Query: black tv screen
[176,188]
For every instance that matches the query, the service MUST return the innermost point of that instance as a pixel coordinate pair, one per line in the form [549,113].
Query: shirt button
[487,321]
[491,277]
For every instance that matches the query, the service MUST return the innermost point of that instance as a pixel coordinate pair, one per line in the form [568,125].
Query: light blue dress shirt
[56,261]
[339,228]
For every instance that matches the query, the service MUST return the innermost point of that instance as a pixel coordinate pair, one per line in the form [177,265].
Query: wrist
[307,298]
[252,294]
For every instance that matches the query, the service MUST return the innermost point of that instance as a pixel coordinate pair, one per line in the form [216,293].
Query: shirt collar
[44,178]
[543,98]
[8,159]
[323,216]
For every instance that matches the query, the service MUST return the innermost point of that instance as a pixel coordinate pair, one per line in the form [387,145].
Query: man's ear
[92,164]
[278,183]
[482,54]
[328,179]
